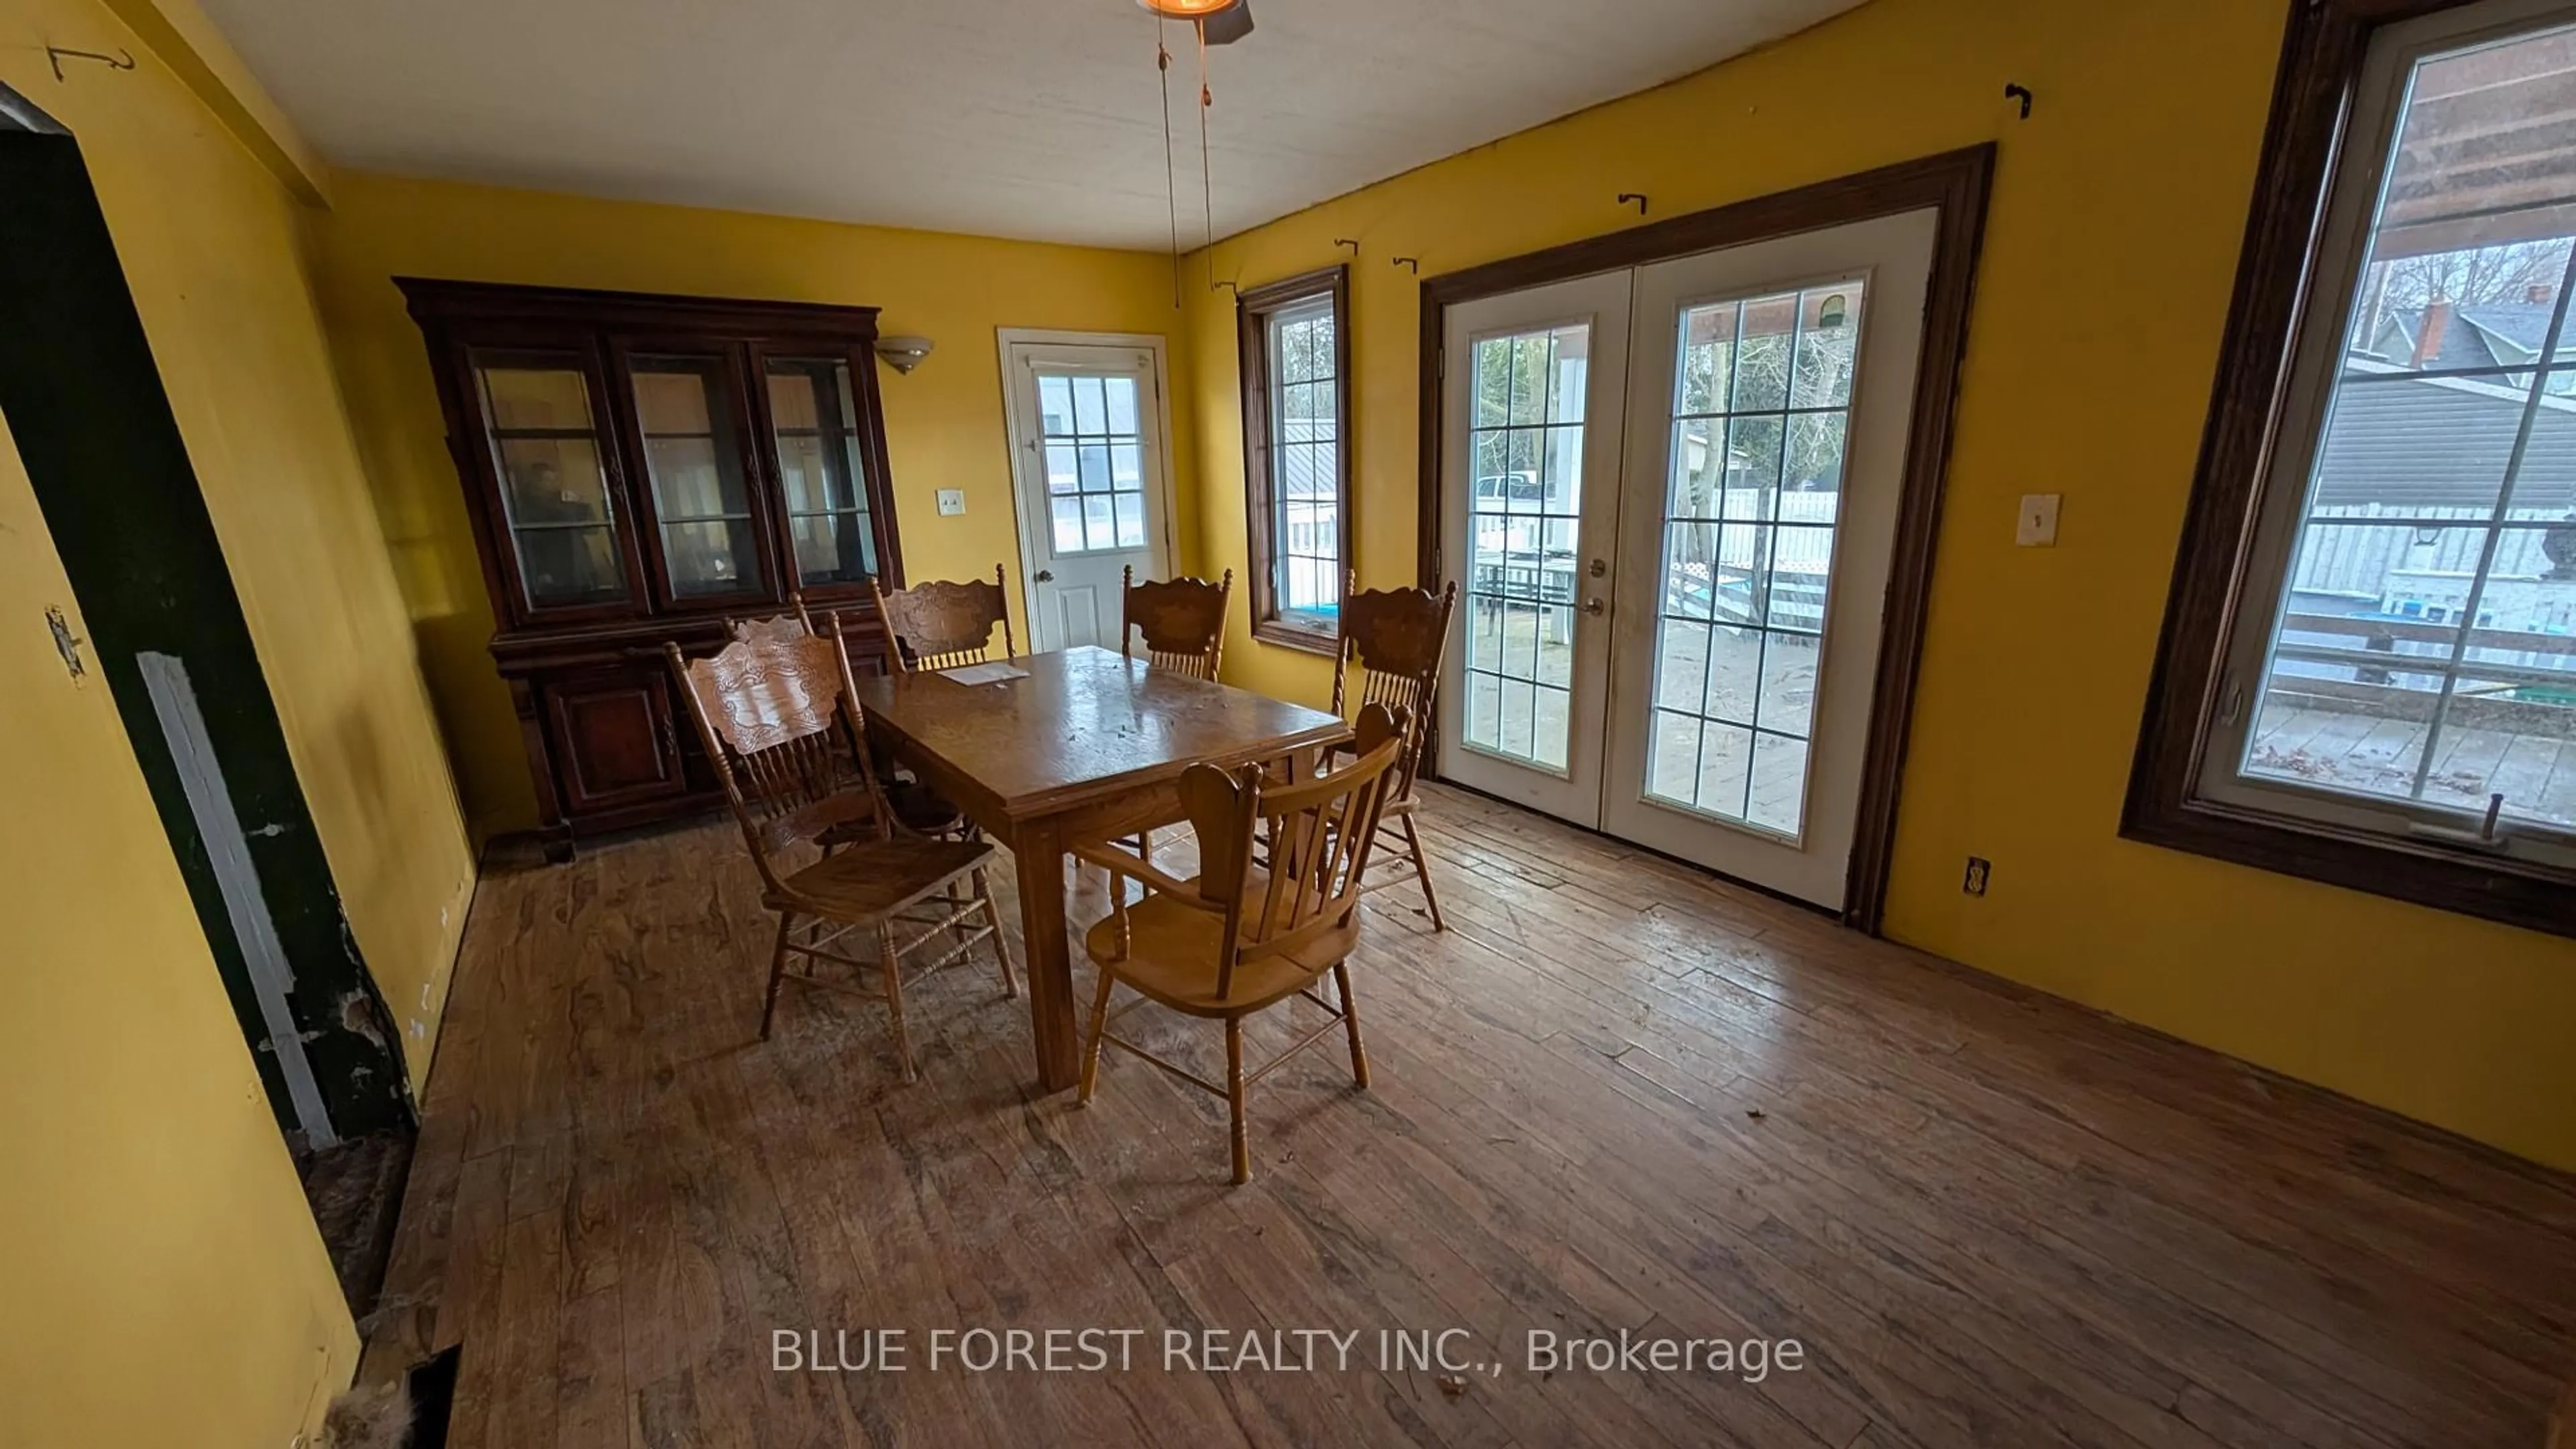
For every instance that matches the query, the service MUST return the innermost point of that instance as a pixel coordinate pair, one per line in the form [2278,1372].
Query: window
[1295,342]
[2325,704]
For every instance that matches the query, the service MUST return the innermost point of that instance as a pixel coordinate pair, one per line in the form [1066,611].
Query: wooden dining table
[1088,746]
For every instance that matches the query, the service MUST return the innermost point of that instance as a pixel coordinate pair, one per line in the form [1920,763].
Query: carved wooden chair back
[941,625]
[1321,831]
[776,712]
[1394,641]
[1182,622]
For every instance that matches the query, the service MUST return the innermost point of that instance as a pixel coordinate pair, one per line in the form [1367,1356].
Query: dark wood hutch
[645,468]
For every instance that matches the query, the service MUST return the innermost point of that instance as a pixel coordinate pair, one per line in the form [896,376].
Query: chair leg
[894,998]
[1099,1033]
[993,918]
[1422,870]
[777,972]
[1234,1098]
[1351,1024]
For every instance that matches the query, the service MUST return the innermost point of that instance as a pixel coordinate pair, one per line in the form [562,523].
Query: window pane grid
[1525,445]
[1093,447]
[1305,484]
[2420,653]
[1761,407]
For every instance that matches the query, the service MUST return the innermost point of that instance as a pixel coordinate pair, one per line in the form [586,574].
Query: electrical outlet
[952,501]
[1979,870]
[419,1029]
[2038,525]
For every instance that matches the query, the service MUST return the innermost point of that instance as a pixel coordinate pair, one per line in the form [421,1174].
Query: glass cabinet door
[560,510]
[822,470]
[694,457]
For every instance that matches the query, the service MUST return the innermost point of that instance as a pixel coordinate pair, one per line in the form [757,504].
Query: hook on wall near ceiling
[1343,241]
[1226,283]
[122,60]
[1413,262]
[1638,197]
[2016,91]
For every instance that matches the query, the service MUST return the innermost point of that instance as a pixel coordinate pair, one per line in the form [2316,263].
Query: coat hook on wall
[122,60]
[1343,241]
[1638,197]
[2016,91]
[1414,262]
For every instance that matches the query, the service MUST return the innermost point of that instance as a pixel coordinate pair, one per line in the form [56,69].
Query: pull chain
[1171,187]
[1207,183]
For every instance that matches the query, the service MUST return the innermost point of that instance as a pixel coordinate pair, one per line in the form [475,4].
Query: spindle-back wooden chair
[777,715]
[1181,622]
[917,807]
[1237,939]
[941,625]
[1182,626]
[1394,642]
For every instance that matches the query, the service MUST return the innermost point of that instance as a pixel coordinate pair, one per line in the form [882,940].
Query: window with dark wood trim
[1295,339]
[2368,671]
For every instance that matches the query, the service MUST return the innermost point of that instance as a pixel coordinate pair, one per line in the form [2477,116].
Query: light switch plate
[952,501]
[2038,525]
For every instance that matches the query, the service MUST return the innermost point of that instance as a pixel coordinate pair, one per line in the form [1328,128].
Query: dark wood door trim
[1957,184]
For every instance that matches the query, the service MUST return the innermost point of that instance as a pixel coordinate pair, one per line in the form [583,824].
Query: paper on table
[993,673]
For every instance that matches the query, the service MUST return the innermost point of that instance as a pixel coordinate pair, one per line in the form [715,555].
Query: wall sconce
[903,354]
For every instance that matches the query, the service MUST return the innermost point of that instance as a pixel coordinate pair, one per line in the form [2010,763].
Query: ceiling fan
[1219,22]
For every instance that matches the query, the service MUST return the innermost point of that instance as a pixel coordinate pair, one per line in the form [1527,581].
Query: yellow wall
[210,245]
[160,1279]
[2117,215]
[944,424]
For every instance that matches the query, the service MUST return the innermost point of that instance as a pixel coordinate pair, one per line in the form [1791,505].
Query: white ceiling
[1019,118]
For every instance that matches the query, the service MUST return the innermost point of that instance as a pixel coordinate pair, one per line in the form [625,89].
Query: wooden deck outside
[2374,754]
[1616,1096]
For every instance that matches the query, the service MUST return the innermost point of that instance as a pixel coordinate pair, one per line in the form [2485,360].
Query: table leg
[1038,851]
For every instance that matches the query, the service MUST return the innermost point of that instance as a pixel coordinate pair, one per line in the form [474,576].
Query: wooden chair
[916,806]
[1182,622]
[940,625]
[1237,939]
[1396,640]
[767,710]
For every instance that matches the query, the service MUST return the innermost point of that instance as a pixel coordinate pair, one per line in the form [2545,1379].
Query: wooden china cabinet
[646,468]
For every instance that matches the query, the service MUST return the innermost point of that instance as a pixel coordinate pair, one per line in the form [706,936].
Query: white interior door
[1089,480]
[1772,389]
[1670,496]
[1532,386]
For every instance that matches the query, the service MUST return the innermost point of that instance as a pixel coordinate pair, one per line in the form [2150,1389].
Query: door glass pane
[1524,524]
[822,470]
[554,487]
[693,456]
[1761,406]
[2424,649]
[1092,438]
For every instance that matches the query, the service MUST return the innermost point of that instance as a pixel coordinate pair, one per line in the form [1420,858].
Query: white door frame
[1166,543]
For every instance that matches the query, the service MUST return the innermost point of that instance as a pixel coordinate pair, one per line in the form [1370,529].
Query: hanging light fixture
[1220,22]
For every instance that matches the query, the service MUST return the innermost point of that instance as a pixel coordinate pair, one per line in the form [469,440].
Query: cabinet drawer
[616,741]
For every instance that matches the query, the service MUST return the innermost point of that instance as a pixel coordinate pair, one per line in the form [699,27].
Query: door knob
[1046,576]
[1593,607]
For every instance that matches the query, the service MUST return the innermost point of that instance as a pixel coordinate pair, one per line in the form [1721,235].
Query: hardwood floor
[1616,1095]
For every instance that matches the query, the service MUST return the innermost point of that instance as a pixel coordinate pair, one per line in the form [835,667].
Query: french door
[1089,480]
[1671,494]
